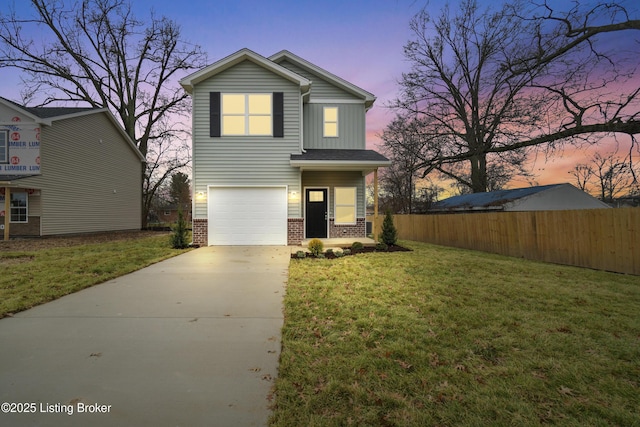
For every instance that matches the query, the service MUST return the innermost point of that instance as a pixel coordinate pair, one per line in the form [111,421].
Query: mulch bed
[366,249]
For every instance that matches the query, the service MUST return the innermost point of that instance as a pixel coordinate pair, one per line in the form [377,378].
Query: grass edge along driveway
[34,277]
[444,336]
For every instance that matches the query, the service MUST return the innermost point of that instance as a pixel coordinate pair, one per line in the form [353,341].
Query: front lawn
[448,337]
[35,276]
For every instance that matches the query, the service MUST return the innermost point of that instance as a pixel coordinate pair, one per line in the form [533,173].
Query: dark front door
[316,213]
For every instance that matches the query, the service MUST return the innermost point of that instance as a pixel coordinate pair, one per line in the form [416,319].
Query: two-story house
[279,152]
[66,171]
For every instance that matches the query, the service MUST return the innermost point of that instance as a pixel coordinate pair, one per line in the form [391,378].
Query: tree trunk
[479,173]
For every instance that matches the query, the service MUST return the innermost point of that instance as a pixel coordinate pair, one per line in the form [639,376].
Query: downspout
[302,118]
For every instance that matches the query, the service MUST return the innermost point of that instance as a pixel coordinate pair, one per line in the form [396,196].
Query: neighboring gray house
[542,198]
[67,171]
[279,152]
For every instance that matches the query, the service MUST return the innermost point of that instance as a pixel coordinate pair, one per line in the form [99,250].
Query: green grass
[35,277]
[448,337]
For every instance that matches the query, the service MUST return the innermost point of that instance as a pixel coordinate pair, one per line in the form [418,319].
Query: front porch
[334,243]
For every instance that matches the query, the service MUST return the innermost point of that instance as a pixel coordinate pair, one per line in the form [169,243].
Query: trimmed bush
[315,247]
[381,246]
[357,246]
[300,254]
[338,254]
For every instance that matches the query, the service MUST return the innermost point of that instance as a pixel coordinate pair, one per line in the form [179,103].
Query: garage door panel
[247,216]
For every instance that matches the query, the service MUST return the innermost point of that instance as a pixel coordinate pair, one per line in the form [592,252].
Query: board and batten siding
[245,160]
[321,179]
[351,113]
[91,179]
[351,127]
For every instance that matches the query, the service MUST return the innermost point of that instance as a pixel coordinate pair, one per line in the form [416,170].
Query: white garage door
[247,216]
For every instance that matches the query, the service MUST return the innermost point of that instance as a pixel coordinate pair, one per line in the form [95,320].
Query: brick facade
[23,229]
[347,231]
[200,232]
[295,231]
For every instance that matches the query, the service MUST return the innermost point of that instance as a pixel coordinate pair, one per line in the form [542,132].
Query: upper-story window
[330,122]
[4,146]
[246,114]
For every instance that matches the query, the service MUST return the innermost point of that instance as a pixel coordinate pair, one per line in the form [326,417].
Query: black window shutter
[278,114]
[214,114]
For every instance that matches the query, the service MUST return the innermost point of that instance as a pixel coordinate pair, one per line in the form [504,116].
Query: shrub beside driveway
[443,336]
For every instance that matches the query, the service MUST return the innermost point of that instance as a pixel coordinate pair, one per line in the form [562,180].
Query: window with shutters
[246,114]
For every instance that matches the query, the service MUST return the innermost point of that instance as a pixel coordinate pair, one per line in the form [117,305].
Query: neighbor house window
[18,207]
[246,114]
[330,117]
[4,146]
[345,209]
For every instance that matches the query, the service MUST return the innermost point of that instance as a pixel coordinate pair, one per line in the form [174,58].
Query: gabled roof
[48,115]
[368,97]
[501,199]
[242,55]
[337,159]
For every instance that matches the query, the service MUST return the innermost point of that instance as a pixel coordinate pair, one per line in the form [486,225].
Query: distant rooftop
[490,200]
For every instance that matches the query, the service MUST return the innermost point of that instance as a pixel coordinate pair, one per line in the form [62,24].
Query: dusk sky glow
[359,40]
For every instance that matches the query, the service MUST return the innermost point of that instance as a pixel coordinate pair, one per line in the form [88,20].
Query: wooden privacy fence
[603,239]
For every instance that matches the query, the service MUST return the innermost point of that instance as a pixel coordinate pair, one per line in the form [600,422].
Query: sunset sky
[359,40]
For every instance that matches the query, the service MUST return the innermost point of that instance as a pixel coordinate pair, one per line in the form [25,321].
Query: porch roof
[345,160]
[8,180]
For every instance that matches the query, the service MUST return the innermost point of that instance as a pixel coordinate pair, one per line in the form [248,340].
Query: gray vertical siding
[245,160]
[351,127]
[351,120]
[91,179]
[337,179]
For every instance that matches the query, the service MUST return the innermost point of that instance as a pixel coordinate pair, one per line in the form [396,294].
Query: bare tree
[97,52]
[490,86]
[582,174]
[613,175]
[401,144]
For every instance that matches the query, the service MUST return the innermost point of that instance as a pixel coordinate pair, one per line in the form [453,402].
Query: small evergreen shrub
[381,246]
[300,255]
[180,235]
[357,246]
[338,254]
[329,251]
[315,247]
[346,252]
[389,233]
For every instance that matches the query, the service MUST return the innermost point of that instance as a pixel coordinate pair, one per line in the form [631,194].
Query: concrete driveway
[191,341]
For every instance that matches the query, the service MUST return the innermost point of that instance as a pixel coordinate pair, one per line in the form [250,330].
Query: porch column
[7,211]
[375,204]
